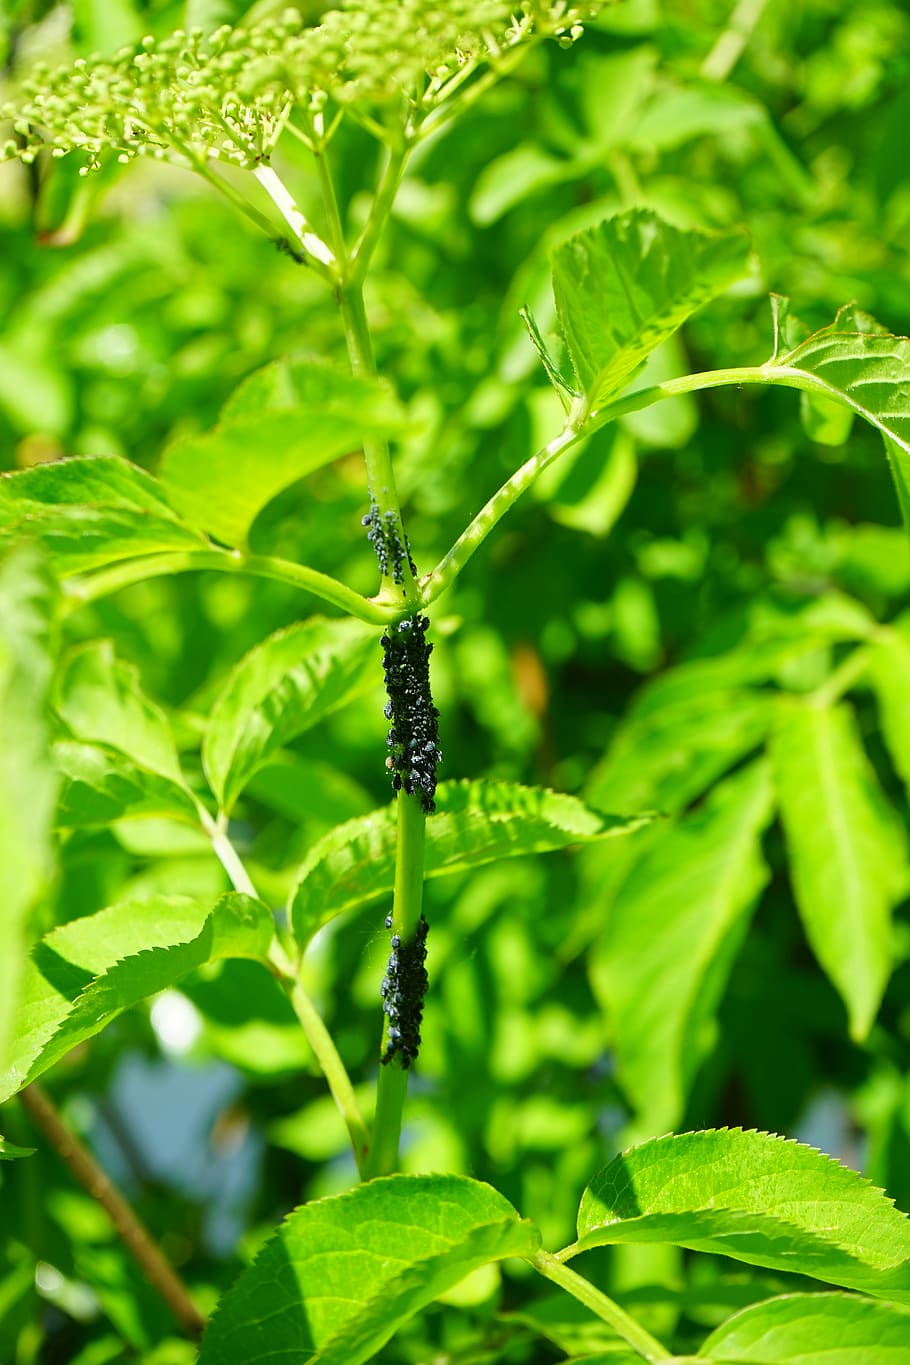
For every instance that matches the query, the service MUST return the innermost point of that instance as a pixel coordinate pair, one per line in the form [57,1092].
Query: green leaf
[91,511]
[813,1329]
[100,700]
[284,422]
[28,783]
[663,756]
[757,1198]
[888,673]
[622,288]
[847,852]
[342,1274]
[284,686]
[856,362]
[672,934]
[9,1152]
[101,785]
[84,973]
[475,823]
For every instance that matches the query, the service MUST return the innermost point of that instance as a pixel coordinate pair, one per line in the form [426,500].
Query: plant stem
[585,421]
[406,908]
[317,1035]
[333,1068]
[848,672]
[472,538]
[132,1232]
[315,249]
[101,582]
[390,178]
[605,1308]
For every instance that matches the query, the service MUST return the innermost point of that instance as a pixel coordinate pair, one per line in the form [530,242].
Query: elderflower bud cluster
[190,97]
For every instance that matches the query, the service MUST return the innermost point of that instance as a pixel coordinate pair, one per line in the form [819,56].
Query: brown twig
[135,1237]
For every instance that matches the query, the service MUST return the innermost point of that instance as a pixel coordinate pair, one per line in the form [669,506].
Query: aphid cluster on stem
[389,542]
[403,989]
[413,738]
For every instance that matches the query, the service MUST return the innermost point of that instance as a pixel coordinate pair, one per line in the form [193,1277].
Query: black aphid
[403,990]
[413,738]
[389,543]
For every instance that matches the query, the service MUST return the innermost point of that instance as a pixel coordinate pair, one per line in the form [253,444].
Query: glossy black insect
[390,544]
[403,990]
[413,737]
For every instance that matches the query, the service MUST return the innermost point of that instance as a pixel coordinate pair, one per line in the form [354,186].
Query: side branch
[448,568]
[133,1233]
[104,581]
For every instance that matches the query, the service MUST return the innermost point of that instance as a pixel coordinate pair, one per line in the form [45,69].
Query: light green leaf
[475,823]
[624,287]
[341,1275]
[91,511]
[856,362]
[284,686]
[9,1152]
[813,1329]
[847,852]
[101,784]
[28,783]
[757,1198]
[889,672]
[663,756]
[84,973]
[100,700]
[671,937]
[284,422]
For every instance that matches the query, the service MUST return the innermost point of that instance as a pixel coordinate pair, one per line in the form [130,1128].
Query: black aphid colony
[403,989]
[413,739]
[390,549]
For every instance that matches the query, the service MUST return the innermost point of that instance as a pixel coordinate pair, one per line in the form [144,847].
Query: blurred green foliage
[134,302]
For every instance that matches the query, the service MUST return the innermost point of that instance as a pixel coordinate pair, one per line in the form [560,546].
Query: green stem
[584,421]
[605,1308]
[318,254]
[390,178]
[406,908]
[847,673]
[317,1035]
[472,538]
[80,590]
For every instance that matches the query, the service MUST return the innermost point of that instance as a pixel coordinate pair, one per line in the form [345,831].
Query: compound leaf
[90,511]
[813,1329]
[847,853]
[757,1198]
[84,973]
[625,286]
[284,422]
[281,688]
[671,937]
[342,1274]
[475,822]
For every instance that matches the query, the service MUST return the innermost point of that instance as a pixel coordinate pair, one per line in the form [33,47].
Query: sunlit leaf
[475,823]
[756,1198]
[91,511]
[283,423]
[341,1275]
[101,784]
[813,1329]
[624,287]
[84,973]
[28,783]
[284,686]
[672,934]
[848,855]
